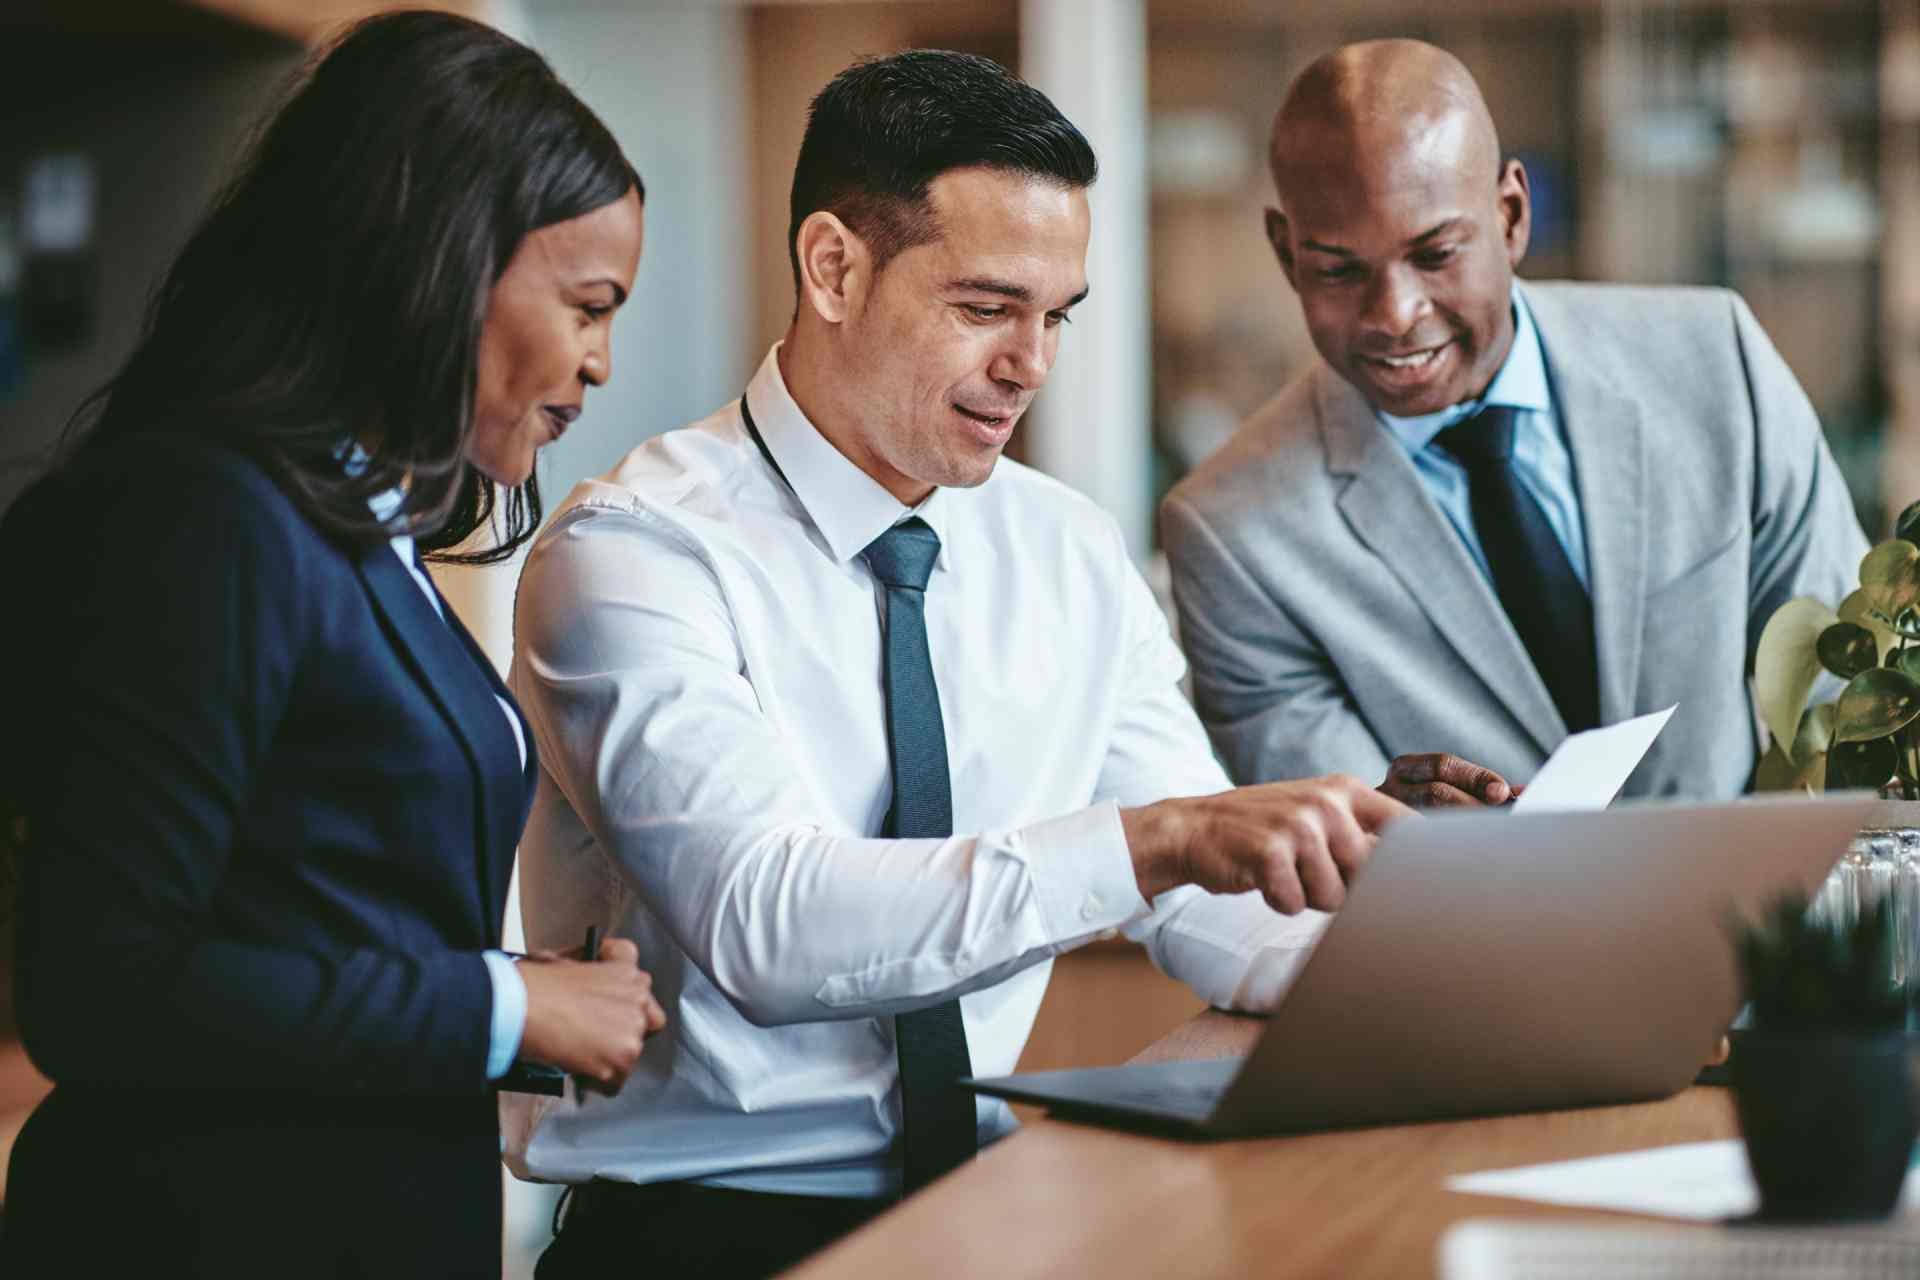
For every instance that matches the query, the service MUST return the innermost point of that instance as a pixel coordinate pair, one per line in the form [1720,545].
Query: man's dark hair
[337,289]
[885,128]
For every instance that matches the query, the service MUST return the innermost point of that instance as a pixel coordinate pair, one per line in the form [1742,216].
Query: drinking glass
[1906,910]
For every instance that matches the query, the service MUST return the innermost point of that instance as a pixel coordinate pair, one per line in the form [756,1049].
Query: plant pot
[1828,1119]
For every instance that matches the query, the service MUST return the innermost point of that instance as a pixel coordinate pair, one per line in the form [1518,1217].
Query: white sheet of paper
[1697,1181]
[1587,770]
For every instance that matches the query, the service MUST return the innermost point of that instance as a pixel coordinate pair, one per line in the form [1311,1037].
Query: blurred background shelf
[1772,146]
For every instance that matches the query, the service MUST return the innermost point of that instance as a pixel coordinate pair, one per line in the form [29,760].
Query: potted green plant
[1822,1079]
[1868,736]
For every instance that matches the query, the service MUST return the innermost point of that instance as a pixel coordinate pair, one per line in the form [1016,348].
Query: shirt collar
[383,506]
[353,460]
[1520,384]
[849,507]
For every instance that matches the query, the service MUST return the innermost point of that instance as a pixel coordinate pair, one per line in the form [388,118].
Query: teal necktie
[937,1117]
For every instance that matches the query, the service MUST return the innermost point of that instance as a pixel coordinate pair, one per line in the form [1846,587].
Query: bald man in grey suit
[1494,511]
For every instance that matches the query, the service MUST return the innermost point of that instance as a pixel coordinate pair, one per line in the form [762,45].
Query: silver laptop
[1495,962]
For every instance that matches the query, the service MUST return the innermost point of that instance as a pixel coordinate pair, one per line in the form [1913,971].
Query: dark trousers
[613,1230]
[250,1184]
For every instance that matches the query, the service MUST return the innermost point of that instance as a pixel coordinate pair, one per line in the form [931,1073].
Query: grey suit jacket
[1334,619]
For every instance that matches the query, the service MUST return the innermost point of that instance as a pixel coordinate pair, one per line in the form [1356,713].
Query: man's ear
[833,266]
[1515,199]
[1277,231]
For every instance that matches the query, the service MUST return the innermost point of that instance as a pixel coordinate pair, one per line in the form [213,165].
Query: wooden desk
[1060,1199]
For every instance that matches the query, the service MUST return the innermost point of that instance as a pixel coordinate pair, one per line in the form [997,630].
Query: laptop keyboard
[1186,1097]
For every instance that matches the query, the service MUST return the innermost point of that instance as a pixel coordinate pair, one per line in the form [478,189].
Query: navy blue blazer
[271,804]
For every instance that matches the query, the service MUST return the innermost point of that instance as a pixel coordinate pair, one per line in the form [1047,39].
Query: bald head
[1360,108]
[1398,224]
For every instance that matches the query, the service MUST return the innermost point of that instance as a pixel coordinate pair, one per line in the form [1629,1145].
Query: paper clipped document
[1587,770]
[1696,1181]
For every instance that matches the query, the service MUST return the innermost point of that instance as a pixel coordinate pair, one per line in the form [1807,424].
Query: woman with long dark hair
[268,788]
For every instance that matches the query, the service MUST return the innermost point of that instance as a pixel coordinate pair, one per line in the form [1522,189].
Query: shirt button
[1090,906]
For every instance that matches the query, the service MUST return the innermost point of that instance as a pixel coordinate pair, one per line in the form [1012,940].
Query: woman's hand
[591,1019]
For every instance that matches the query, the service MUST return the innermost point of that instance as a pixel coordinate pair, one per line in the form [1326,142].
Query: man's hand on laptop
[1298,843]
[1438,781]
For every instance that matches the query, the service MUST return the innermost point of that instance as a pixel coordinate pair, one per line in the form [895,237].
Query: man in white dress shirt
[850,811]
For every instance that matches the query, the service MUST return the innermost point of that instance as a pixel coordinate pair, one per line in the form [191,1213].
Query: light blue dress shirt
[509,988]
[1541,459]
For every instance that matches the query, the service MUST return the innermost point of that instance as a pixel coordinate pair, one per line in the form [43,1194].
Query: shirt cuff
[509,1012]
[1269,976]
[1082,872]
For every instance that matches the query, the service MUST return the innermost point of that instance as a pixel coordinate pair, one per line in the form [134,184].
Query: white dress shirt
[698,650]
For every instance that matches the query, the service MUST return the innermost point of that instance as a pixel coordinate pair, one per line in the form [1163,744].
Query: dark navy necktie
[936,1116]
[1532,576]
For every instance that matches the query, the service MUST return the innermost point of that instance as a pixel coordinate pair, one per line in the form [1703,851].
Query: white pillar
[1092,426]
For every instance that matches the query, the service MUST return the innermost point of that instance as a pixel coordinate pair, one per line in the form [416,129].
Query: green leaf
[1890,575]
[1847,649]
[1906,660]
[1861,764]
[1857,610]
[1788,662]
[1908,525]
[1876,703]
[1777,773]
[1815,735]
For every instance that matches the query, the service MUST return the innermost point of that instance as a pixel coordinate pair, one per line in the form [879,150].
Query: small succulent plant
[1805,974]
[1869,736]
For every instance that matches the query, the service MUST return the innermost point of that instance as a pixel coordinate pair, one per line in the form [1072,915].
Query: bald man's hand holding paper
[1588,769]
[1435,780]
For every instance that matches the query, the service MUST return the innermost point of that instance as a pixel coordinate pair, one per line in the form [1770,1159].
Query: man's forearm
[890,925]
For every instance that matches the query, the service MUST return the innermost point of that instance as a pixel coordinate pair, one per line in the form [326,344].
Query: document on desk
[1587,770]
[1697,1181]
